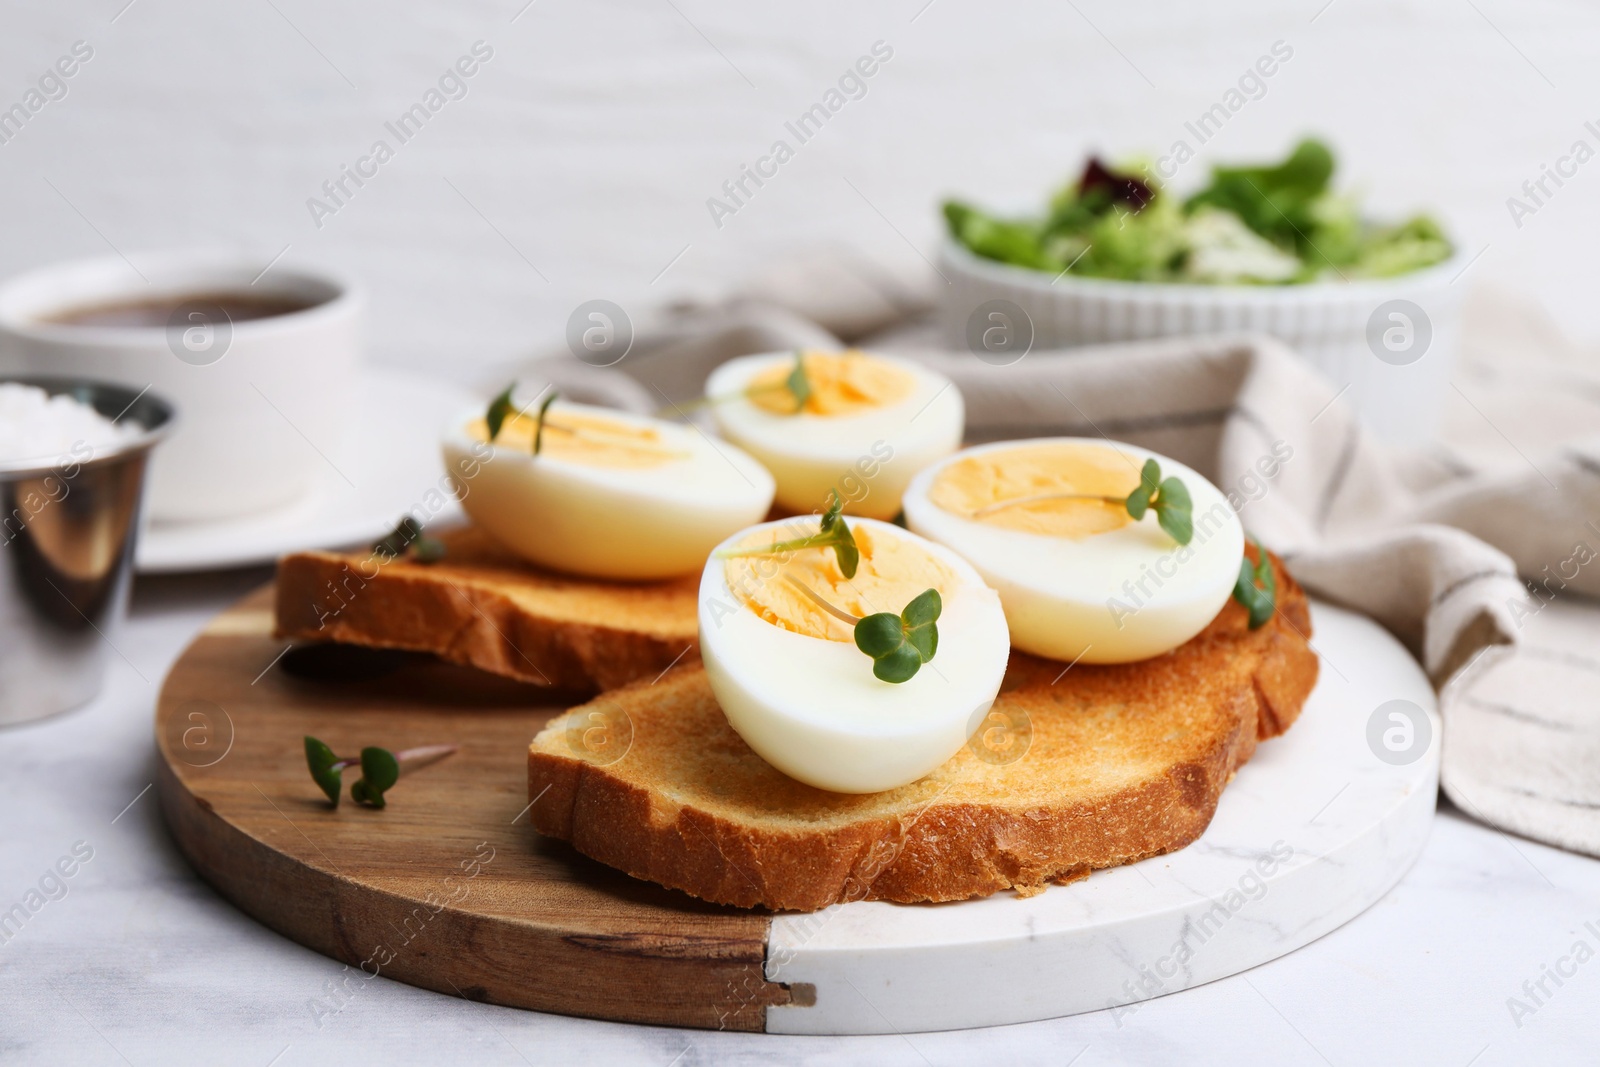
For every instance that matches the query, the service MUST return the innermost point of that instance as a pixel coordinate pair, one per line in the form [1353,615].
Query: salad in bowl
[1269,249]
[1281,224]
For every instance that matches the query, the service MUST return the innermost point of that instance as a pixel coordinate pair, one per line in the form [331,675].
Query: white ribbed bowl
[1325,322]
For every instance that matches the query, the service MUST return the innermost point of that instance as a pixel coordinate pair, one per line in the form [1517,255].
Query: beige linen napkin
[1430,544]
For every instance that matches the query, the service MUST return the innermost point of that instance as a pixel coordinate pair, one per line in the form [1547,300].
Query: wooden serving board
[536,925]
[449,888]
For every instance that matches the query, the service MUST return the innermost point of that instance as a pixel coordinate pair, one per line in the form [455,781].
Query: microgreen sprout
[407,539]
[898,644]
[499,408]
[380,769]
[796,384]
[538,426]
[1167,497]
[1257,587]
[833,532]
[502,409]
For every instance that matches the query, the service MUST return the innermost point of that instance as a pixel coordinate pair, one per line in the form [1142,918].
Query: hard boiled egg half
[609,494]
[1045,523]
[853,422]
[792,681]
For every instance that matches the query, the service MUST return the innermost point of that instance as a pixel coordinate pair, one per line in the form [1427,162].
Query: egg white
[610,522]
[813,708]
[1114,597]
[869,457]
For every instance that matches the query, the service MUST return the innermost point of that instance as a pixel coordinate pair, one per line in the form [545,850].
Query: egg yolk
[842,383]
[892,571]
[591,440]
[1052,489]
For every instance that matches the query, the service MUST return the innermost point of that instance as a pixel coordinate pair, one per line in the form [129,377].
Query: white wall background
[591,140]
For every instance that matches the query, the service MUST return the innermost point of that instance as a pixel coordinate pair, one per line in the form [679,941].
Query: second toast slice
[1074,769]
[485,607]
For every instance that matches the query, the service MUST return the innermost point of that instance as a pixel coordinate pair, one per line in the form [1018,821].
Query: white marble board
[1310,833]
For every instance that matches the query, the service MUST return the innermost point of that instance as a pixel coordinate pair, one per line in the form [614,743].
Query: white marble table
[141,963]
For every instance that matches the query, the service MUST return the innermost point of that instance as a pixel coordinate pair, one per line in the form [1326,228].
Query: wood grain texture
[449,887]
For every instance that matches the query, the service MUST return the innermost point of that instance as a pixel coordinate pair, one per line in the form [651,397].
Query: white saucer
[390,466]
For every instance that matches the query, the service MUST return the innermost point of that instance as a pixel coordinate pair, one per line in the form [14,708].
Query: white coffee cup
[263,403]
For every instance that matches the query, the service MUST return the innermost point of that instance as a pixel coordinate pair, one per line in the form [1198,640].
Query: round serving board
[448,888]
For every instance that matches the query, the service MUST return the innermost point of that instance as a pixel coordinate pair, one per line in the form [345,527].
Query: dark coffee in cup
[261,365]
[157,312]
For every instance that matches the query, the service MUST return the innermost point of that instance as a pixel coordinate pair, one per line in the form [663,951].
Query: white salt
[37,426]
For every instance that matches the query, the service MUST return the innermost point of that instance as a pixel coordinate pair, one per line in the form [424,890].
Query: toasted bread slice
[1073,770]
[487,608]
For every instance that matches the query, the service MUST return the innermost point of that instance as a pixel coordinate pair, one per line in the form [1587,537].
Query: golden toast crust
[1121,762]
[484,607]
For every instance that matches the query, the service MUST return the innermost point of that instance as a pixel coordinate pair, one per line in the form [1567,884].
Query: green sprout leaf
[379,772]
[920,616]
[839,537]
[798,384]
[499,410]
[1149,481]
[1168,498]
[1175,494]
[1138,502]
[326,768]
[1150,476]
[380,769]
[900,644]
[833,532]
[1179,524]
[538,426]
[407,538]
[1257,587]
[398,541]
[1175,511]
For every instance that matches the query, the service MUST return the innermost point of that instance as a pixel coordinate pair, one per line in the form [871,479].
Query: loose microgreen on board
[326,768]
[1257,587]
[1168,498]
[380,769]
[499,410]
[379,772]
[900,644]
